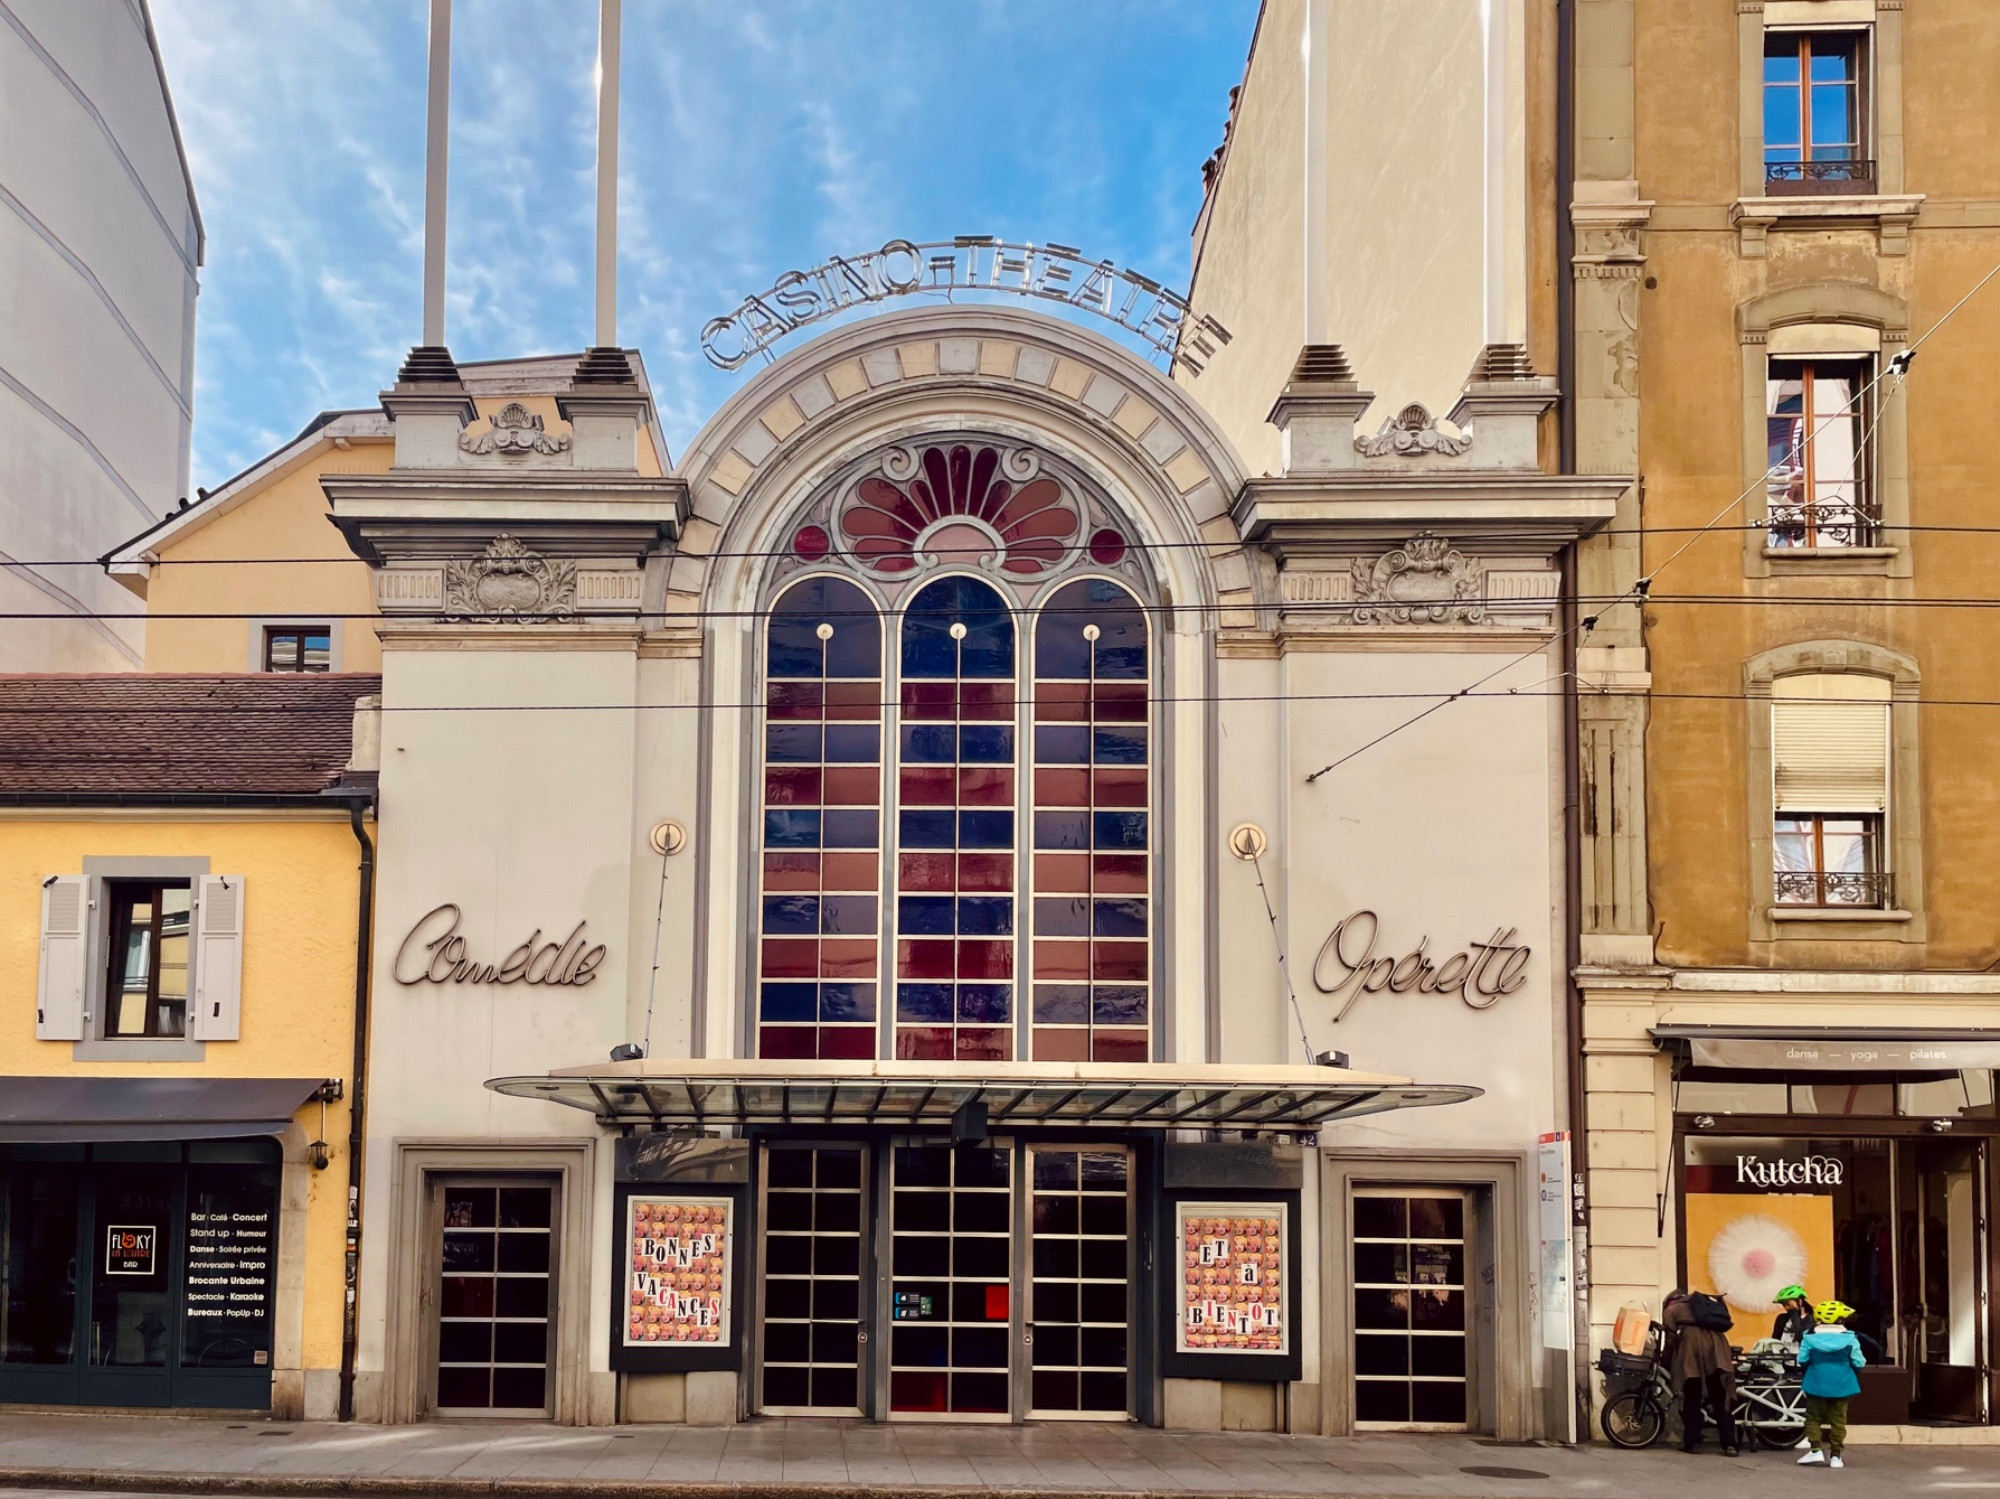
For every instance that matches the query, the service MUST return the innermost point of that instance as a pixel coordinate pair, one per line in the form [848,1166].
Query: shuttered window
[1830,743]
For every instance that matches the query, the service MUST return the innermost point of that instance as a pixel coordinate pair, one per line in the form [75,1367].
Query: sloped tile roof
[142,734]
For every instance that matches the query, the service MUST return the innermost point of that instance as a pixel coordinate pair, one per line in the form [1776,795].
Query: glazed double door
[919,1280]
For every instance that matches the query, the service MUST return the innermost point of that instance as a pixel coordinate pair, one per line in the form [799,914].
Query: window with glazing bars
[1815,114]
[1817,424]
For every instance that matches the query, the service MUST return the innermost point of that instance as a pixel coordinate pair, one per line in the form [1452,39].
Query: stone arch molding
[913,376]
[1824,302]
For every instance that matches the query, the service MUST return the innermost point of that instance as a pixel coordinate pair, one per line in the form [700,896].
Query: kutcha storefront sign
[1812,1171]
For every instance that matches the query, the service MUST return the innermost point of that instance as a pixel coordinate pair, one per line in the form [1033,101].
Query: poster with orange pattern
[1746,1247]
[1232,1286]
[679,1276]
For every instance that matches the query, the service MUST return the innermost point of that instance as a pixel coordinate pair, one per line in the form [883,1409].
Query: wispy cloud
[758,135]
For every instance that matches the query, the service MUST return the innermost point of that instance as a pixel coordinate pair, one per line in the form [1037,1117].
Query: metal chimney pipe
[607,173]
[437,135]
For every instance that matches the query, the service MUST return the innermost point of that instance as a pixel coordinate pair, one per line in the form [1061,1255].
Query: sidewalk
[802,1459]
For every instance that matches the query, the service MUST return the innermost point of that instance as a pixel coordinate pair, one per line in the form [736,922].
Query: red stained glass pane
[812,543]
[1121,702]
[791,871]
[1057,786]
[982,1044]
[924,872]
[981,701]
[794,786]
[986,786]
[923,1043]
[1118,960]
[1120,874]
[853,700]
[787,1043]
[985,960]
[1062,960]
[1122,787]
[984,872]
[1053,1045]
[1063,874]
[929,700]
[927,785]
[1107,548]
[852,786]
[847,958]
[790,958]
[1118,1046]
[1062,702]
[851,872]
[793,699]
[846,1043]
[919,958]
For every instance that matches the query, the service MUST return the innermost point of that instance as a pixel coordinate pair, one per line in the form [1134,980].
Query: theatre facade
[903,915]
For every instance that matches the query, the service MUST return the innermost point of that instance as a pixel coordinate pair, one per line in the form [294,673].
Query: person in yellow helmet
[1830,1355]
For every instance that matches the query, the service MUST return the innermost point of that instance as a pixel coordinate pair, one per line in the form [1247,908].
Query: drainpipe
[366,758]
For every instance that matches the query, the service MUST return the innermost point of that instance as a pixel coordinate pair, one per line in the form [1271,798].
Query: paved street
[127,1455]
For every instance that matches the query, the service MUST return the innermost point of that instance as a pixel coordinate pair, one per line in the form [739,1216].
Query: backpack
[1711,1312]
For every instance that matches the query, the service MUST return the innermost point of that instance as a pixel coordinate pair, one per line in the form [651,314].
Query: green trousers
[1824,1411]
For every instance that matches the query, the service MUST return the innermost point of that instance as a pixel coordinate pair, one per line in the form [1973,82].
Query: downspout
[357,1097]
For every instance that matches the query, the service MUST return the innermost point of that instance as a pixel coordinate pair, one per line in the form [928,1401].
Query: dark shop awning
[1749,1048]
[1150,1095]
[148,1108]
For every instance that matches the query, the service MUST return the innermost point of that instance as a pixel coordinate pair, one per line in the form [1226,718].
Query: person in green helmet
[1795,1316]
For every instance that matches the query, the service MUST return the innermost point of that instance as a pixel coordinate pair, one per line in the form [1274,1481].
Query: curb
[361,1486]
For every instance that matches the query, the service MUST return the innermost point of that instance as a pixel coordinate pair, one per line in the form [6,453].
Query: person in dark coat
[1703,1367]
[1795,1316]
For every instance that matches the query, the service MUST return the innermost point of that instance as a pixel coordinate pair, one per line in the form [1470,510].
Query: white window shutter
[60,987]
[216,1013]
[1830,743]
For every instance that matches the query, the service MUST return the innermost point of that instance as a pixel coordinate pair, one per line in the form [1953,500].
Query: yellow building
[253,576]
[183,931]
[1791,1022]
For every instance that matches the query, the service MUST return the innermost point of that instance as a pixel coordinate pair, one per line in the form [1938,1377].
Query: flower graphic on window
[1754,1257]
[961,505]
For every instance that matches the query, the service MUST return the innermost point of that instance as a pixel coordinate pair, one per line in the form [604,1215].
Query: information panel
[1232,1282]
[678,1282]
[230,1279]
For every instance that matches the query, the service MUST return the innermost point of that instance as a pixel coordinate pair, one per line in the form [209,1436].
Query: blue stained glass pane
[1121,662]
[1120,746]
[850,827]
[1062,830]
[846,1001]
[924,915]
[986,916]
[853,743]
[1062,916]
[791,743]
[986,830]
[855,648]
[986,744]
[791,915]
[1118,1005]
[985,1004]
[791,827]
[1062,744]
[1119,829]
[794,650]
[928,649]
[1781,117]
[847,915]
[789,1002]
[988,647]
[924,1003]
[929,829]
[1060,648]
[1120,648]
[1120,918]
[927,744]
[1062,1004]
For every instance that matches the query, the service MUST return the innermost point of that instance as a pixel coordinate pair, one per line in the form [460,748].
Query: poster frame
[1202,1363]
[673,1358]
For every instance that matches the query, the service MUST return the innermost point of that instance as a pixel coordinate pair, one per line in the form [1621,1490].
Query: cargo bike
[1769,1403]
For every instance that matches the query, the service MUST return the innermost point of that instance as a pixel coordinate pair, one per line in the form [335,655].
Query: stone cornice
[448,512]
[1527,508]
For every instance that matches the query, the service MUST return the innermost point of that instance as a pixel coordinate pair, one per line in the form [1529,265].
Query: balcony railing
[1822,523]
[1835,889]
[1800,179]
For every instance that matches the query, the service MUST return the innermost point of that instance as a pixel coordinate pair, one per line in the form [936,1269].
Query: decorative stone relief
[513,432]
[1411,433]
[509,584]
[1426,580]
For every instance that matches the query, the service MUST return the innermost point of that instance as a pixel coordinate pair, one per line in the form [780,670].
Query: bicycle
[1770,1404]
[1636,1417]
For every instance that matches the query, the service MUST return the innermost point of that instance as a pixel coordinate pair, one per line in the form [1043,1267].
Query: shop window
[1815,113]
[1830,765]
[1817,440]
[307,648]
[962,826]
[146,987]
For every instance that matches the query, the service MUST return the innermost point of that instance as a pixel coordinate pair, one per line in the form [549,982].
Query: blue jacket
[1831,1354]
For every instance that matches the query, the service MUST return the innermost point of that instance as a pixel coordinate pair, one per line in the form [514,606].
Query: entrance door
[812,1303]
[951,1279]
[1412,1361]
[1080,1302]
[496,1317]
[1944,1282]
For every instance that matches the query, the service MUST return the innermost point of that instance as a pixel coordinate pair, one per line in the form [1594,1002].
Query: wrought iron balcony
[1822,524]
[1799,179]
[1834,889]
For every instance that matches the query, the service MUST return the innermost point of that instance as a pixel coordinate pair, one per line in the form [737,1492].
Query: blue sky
[758,135]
